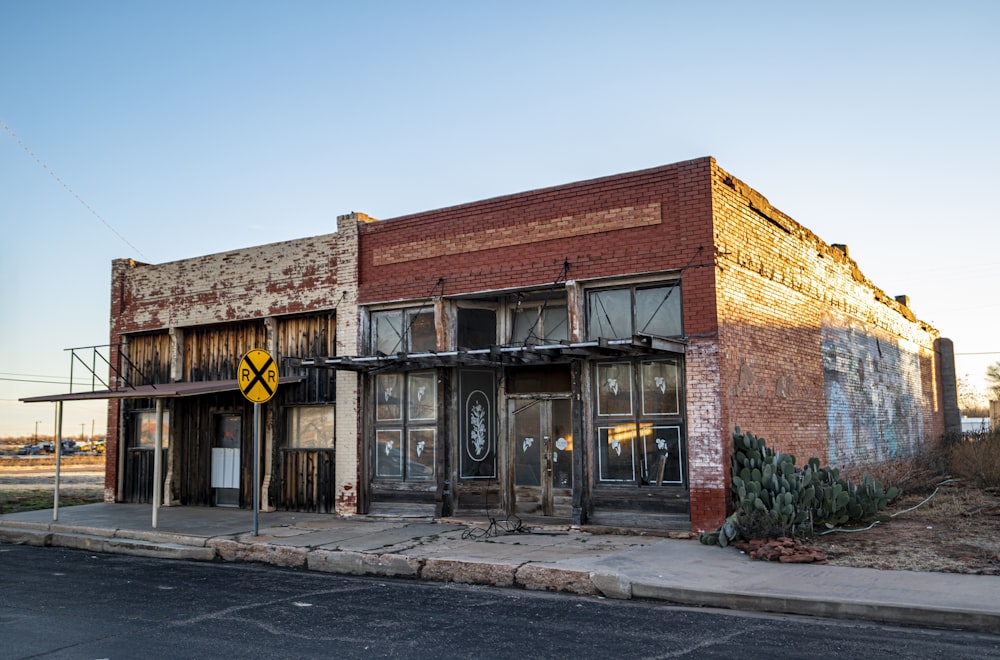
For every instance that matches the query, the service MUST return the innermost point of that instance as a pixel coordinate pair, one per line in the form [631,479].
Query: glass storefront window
[406,413]
[310,427]
[145,429]
[639,438]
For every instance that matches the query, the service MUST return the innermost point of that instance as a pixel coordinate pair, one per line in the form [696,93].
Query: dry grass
[947,518]
[976,460]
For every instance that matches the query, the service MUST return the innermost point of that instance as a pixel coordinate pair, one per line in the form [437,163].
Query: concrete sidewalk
[543,558]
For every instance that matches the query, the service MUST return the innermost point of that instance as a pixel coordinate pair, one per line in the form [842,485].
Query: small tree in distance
[993,378]
[971,401]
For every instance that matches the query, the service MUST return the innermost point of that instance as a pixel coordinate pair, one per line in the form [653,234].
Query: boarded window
[477,328]
[477,425]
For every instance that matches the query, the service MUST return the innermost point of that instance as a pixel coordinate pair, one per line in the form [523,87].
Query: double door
[541,445]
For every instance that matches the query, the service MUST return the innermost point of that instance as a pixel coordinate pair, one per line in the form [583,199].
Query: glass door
[226,464]
[541,442]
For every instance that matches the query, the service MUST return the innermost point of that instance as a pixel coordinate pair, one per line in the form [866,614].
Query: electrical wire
[67,188]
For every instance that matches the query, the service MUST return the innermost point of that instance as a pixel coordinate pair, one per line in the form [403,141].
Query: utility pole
[34,440]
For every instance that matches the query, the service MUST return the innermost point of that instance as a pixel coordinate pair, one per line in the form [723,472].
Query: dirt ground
[27,483]
[955,531]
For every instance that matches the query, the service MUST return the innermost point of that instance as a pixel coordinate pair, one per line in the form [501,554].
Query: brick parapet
[649,221]
[268,280]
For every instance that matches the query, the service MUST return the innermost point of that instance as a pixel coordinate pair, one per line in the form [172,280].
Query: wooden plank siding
[306,477]
[193,428]
[213,352]
[308,480]
[148,359]
[309,336]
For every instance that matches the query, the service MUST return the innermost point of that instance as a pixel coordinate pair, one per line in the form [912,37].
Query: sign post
[258,380]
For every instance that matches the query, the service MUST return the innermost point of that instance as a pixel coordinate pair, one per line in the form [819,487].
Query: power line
[67,188]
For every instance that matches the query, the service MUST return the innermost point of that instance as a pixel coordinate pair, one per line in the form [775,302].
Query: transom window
[539,323]
[621,313]
[477,327]
[403,331]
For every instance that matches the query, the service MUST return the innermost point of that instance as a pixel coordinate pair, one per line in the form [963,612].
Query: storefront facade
[579,354]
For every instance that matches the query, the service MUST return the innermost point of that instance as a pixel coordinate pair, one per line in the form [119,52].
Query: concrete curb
[889,613]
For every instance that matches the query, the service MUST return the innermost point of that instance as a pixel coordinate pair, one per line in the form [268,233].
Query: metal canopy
[497,356]
[158,391]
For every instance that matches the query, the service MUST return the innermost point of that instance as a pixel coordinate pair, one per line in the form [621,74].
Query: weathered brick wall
[348,450]
[708,457]
[290,277]
[813,356]
[267,280]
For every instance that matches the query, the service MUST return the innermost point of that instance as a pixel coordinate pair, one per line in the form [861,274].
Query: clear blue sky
[188,128]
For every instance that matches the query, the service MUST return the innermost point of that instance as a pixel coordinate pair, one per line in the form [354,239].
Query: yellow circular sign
[257,375]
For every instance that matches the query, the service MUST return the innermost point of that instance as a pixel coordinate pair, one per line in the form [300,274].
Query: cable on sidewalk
[509,525]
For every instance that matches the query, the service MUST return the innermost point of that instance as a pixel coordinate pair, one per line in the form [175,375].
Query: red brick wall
[644,221]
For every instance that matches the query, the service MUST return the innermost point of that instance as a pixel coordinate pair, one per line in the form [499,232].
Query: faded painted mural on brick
[873,395]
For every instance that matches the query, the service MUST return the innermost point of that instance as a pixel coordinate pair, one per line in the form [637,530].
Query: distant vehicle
[29,450]
[47,447]
[69,446]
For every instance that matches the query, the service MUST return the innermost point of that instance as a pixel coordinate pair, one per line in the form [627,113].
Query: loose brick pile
[782,549]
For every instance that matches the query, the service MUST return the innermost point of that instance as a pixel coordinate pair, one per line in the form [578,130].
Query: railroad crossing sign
[258,375]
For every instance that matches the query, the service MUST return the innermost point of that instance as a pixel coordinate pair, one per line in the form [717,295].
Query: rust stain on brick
[532,232]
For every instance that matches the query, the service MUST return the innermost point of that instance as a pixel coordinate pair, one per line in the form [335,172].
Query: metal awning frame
[502,356]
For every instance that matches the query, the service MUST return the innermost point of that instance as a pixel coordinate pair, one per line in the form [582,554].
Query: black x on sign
[258,375]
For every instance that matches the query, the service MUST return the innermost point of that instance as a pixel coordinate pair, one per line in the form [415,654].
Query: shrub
[977,460]
[909,475]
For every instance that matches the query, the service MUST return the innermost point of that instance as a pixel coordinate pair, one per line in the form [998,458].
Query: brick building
[582,352]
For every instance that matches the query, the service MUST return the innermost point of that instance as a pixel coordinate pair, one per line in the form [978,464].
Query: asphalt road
[59,603]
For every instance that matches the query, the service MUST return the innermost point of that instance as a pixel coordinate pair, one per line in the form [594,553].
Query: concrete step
[53,536]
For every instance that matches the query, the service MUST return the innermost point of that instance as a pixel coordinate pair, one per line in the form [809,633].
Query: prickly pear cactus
[769,490]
